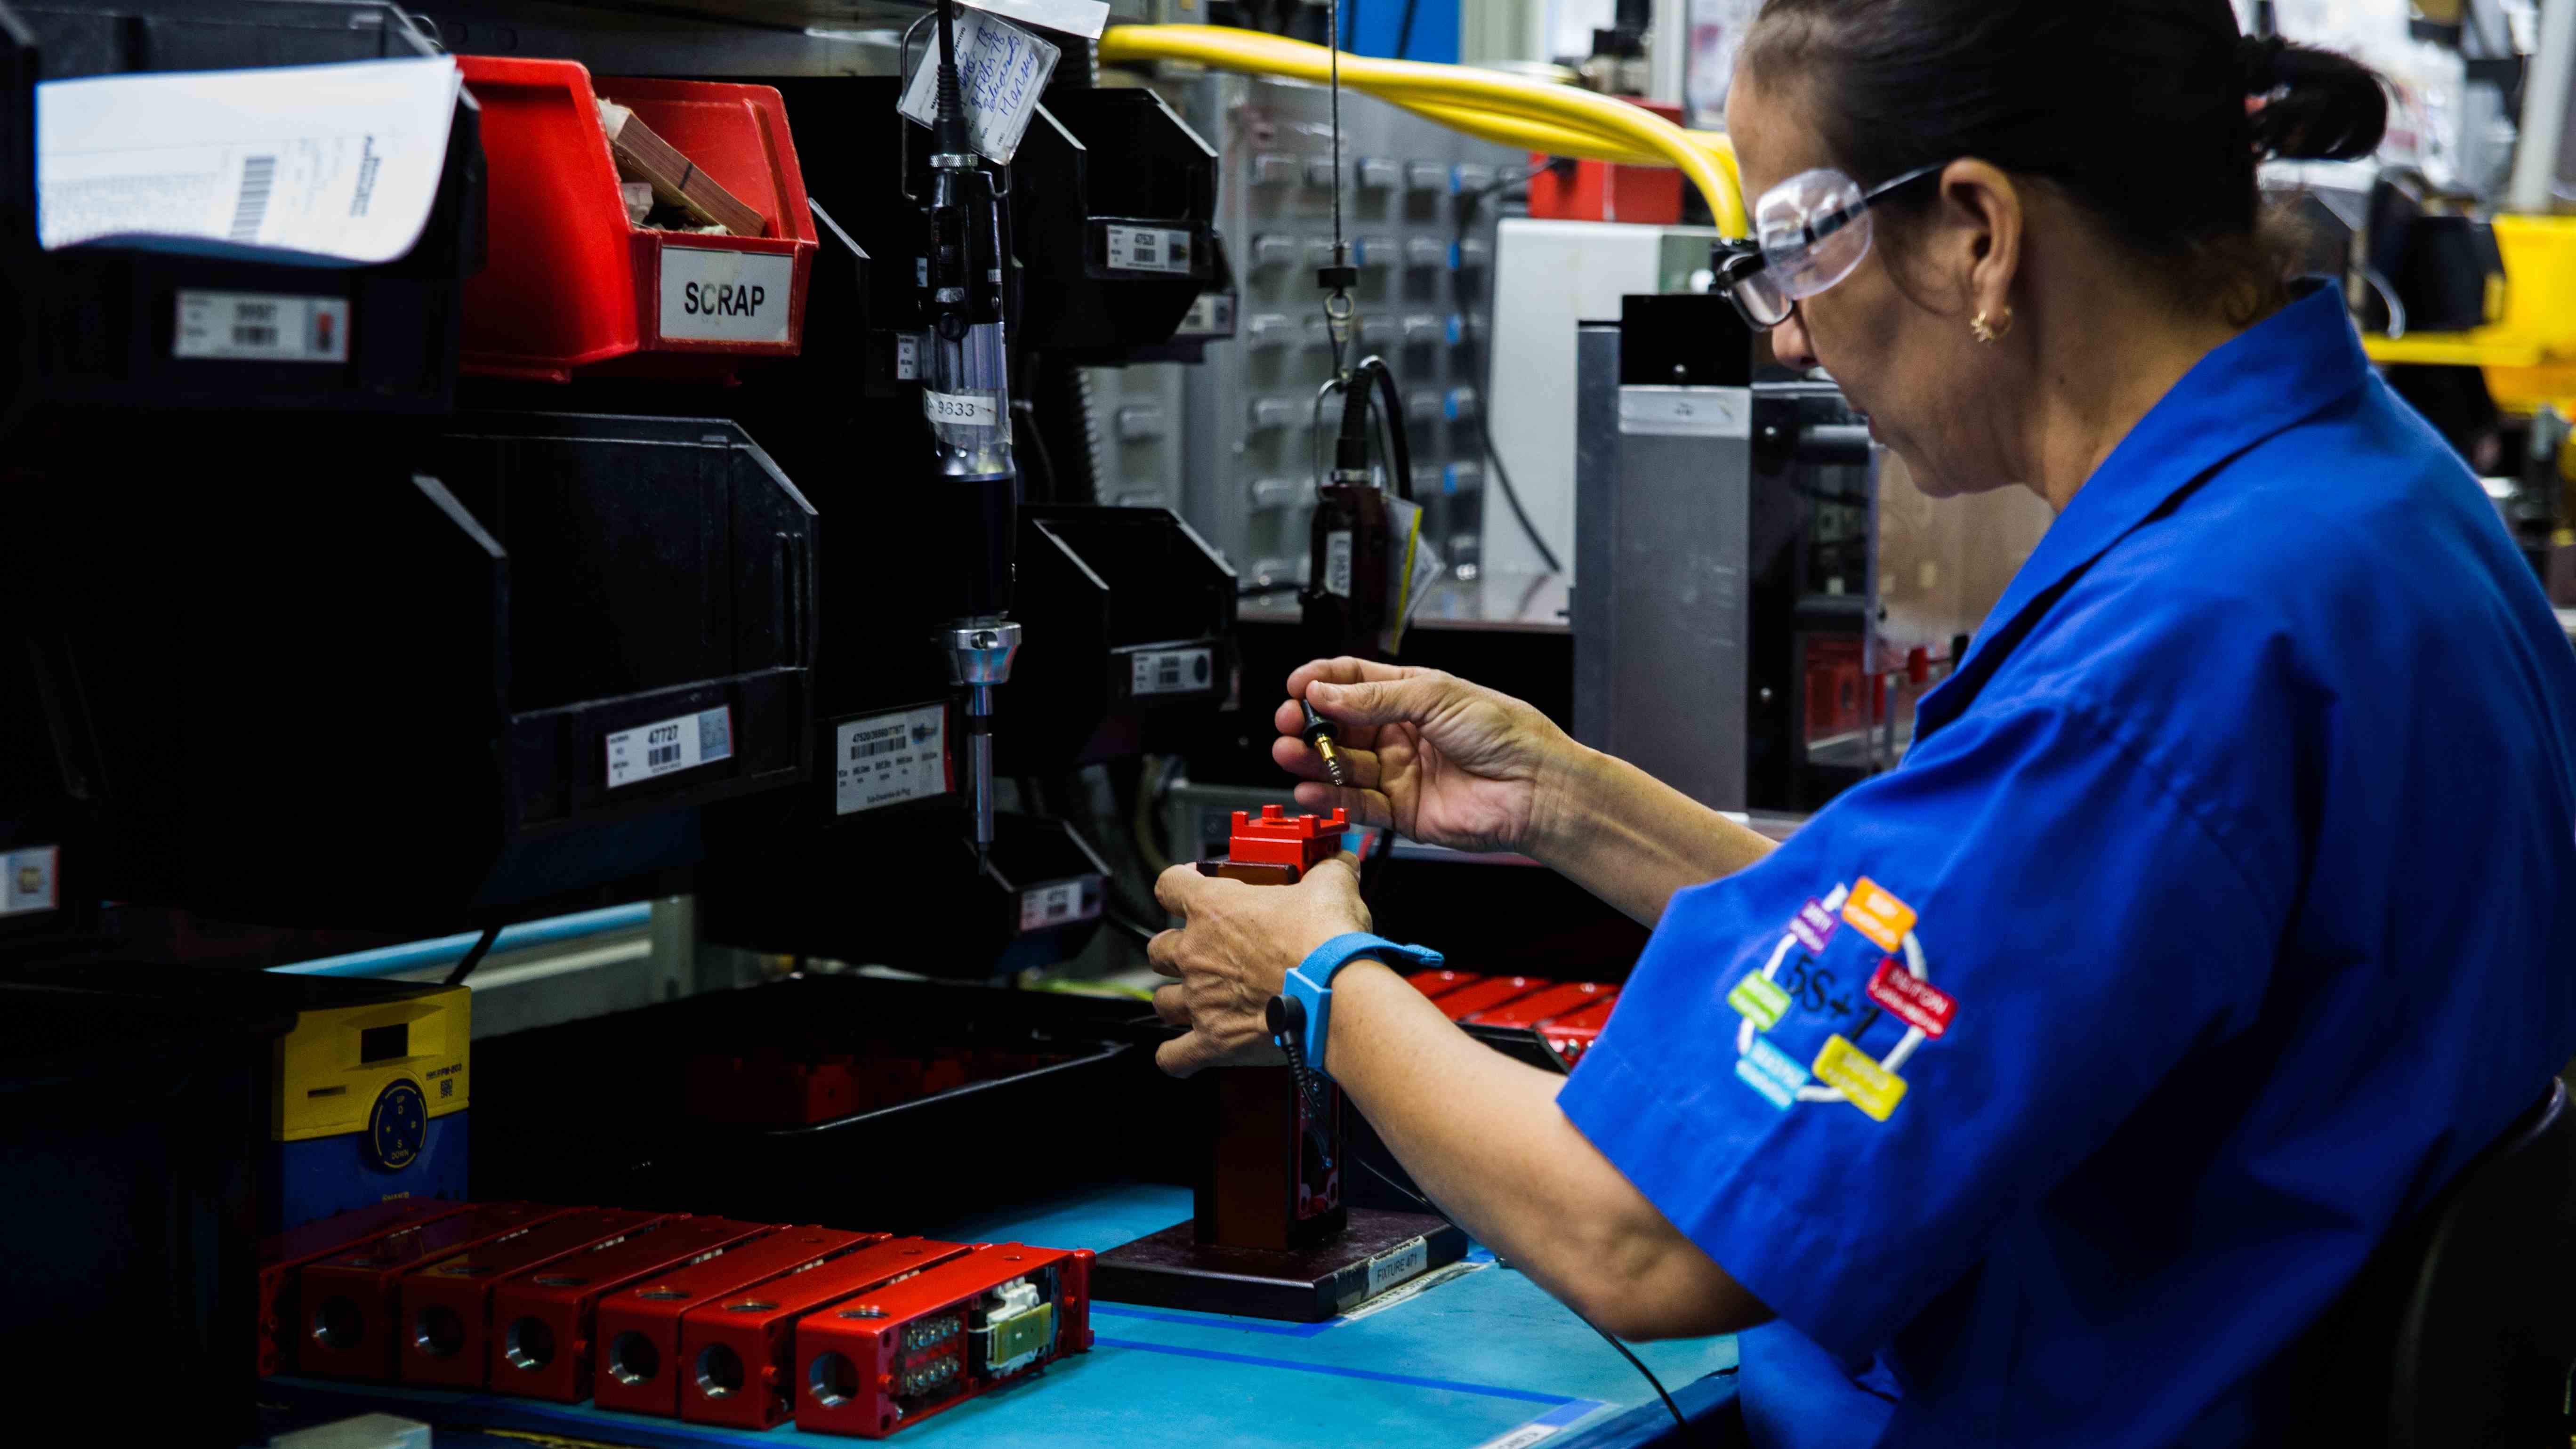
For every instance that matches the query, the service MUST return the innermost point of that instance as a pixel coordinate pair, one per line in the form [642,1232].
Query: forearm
[1482,1135]
[1633,840]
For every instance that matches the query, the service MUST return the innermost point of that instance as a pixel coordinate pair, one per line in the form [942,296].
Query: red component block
[1545,1005]
[1436,984]
[923,1346]
[447,1307]
[1487,994]
[282,1256]
[1573,1035]
[544,1317]
[1300,842]
[353,1304]
[1606,191]
[737,1355]
[639,1327]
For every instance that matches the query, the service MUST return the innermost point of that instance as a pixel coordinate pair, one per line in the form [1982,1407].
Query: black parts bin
[1114,199]
[99,323]
[331,689]
[1129,615]
[968,1098]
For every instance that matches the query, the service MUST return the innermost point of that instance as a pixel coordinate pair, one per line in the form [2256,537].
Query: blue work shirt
[2224,907]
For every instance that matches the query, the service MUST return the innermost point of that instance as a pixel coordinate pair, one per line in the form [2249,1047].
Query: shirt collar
[2265,381]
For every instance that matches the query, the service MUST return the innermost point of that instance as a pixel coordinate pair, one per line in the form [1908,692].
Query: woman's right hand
[1444,761]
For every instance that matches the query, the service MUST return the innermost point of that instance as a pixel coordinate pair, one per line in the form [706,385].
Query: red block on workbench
[447,1306]
[544,1338]
[352,1302]
[638,1328]
[283,1257]
[899,1354]
[738,1354]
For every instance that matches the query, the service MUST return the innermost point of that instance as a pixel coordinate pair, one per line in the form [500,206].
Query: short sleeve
[1839,1072]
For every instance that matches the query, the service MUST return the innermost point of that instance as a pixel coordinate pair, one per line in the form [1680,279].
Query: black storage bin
[100,320]
[330,690]
[1130,615]
[1114,197]
[601,1110]
[129,1135]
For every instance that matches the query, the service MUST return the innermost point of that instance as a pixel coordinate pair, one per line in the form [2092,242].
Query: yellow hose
[1506,109]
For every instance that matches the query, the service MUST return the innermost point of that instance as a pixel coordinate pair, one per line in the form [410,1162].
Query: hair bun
[2318,106]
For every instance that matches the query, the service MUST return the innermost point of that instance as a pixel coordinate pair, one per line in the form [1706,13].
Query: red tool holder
[1487,994]
[638,1328]
[738,1355]
[852,1363]
[1436,984]
[1573,1035]
[1277,848]
[352,1302]
[282,1259]
[573,286]
[447,1306]
[543,1318]
[1541,1006]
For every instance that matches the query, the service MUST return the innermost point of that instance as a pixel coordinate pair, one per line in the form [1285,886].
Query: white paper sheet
[338,161]
[1086,18]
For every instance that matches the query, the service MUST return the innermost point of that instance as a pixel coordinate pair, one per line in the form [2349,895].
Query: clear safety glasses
[1809,232]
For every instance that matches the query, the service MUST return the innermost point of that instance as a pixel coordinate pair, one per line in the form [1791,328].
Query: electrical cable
[474,956]
[1404,30]
[1625,1352]
[1483,363]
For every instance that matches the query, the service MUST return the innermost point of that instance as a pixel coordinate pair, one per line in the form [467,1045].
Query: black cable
[1484,359]
[1350,27]
[1390,399]
[474,957]
[1635,1362]
[1404,30]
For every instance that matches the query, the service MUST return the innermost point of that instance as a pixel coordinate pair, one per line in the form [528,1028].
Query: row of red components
[1567,1015]
[703,1319]
[783,1091]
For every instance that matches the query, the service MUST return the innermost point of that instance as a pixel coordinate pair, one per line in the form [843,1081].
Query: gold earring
[1988,333]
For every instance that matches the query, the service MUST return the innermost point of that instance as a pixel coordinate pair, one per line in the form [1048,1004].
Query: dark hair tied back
[2135,109]
[2317,105]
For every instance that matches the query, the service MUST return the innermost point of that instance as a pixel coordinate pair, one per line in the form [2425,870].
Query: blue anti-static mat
[1473,1359]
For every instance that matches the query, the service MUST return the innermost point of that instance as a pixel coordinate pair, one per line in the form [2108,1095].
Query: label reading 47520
[680,743]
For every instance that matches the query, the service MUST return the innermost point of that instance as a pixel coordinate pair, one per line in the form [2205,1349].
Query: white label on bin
[680,743]
[27,880]
[968,409]
[1390,1268]
[886,759]
[261,327]
[1059,904]
[1172,671]
[712,296]
[1149,249]
[1337,563]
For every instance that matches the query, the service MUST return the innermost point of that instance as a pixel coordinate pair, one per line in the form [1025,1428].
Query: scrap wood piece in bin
[676,180]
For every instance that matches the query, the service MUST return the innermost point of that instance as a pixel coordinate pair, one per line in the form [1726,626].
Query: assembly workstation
[727,718]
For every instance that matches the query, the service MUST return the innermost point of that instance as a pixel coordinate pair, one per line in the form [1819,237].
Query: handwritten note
[1000,70]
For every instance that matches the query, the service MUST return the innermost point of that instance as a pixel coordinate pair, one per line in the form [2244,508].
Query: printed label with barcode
[1059,904]
[1171,671]
[680,743]
[27,879]
[886,759]
[250,204]
[261,327]
[1149,249]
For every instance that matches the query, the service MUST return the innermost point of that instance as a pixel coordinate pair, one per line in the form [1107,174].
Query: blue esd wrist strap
[1310,982]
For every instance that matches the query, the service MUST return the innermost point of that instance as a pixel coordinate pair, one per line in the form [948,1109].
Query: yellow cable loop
[1507,109]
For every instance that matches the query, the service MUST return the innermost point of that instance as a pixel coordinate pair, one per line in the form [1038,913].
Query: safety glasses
[1810,232]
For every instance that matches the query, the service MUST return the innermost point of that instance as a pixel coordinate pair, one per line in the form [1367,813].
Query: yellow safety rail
[1505,109]
[2530,355]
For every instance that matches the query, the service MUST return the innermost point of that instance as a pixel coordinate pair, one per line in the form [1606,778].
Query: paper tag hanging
[1000,71]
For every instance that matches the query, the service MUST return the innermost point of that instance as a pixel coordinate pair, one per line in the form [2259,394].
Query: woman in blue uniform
[2044,1089]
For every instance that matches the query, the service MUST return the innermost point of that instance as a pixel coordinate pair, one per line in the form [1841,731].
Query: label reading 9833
[966,409]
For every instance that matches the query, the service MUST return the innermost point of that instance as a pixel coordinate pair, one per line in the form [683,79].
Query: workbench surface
[1469,1360]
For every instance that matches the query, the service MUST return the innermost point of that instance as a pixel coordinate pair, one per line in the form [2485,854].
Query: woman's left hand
[1235,947]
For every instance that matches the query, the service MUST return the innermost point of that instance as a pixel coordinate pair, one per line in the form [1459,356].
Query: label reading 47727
[680,743]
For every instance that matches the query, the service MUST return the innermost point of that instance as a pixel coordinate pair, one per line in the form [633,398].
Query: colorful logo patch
[1768,1070]
[1813,926]
[1760,999]
[1916,1002]
[1876,914]
[1863,1082]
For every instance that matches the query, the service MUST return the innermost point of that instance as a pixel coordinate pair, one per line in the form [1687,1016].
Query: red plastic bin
[572,286]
